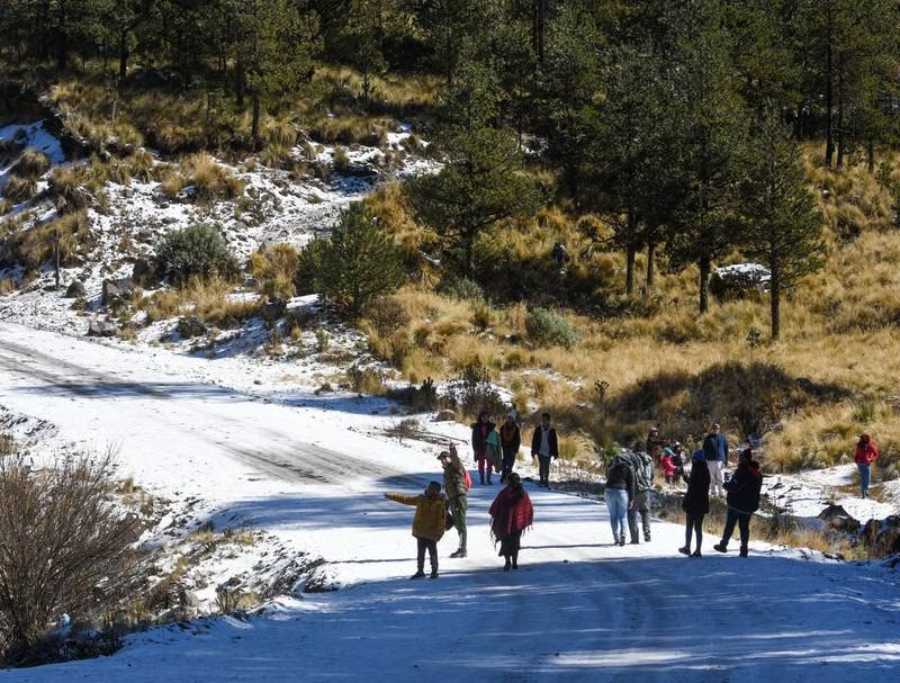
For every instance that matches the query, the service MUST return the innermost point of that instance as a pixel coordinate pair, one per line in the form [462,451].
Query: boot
[685,550]
[696,553]
[434,574]
[418,575]
[622,540]
[646,537]
[507,566]
[459,553]
[635,541]
[744,551]
[721,547]
[515,562]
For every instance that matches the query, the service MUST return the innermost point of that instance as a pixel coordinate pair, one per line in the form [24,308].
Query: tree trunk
[775,297]
[705,264]
[254,130]
[829,107]
[123,56]
[841,143]
[651,267]
[239,84]
[630,255]
[540,20]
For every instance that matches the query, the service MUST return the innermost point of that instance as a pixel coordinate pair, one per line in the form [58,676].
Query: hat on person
[443,454]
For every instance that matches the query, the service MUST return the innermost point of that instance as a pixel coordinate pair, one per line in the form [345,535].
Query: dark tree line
[658,115]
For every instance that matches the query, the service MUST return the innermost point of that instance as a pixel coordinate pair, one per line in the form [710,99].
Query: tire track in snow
[287,460]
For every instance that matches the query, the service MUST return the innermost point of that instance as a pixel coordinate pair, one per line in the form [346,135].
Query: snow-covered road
[313,470]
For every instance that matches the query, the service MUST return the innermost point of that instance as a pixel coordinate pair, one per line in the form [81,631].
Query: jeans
[431,547]
[617,504]
[642,506]
[485,465]
[458,508]
[865,474]
[544,468]
[509,460]
[742,519]
[716,478]
[693,523]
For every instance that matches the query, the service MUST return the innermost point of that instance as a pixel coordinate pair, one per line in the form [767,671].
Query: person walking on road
[695,504]
[619,494]
[545,447]
[743,500]
[480,432]
[510,442]
[715,451]
[511,514]
[640,504]
[428,525]
[866,454]
[457,488]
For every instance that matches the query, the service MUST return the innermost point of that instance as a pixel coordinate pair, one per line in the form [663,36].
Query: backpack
[467,478]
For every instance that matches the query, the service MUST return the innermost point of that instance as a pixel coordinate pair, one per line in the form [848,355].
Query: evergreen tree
[783,225]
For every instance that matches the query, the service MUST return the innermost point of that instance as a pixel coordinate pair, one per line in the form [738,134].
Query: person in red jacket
[866,454]
[511,513]
[667,463]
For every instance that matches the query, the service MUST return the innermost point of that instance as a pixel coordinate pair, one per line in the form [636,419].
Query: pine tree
[783,226]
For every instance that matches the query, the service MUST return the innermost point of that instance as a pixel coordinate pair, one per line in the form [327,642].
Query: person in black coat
[743,500]
[696,504]
[545,447]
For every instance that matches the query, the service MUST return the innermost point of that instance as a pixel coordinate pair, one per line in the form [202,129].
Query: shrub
[387,316]
[461,288]
[341,160]
[59,518]
[546,328]
[366,381]
[19,190]
[32,164]
[473,391]
[196,251]
[357,264]
[63,237]
[275,270]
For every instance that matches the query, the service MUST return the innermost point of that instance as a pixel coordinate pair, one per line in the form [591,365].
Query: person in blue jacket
[715,452]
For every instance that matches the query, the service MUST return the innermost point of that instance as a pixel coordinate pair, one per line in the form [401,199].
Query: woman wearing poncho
[511,514]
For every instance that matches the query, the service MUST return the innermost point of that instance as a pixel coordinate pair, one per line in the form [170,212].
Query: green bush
[198,251]
[356,265]
[461,288]
[546,328]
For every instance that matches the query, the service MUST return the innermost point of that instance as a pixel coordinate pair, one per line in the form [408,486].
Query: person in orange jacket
[866,454]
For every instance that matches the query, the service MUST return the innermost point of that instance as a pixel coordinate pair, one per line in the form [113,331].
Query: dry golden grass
[70,234]
[209,300]
[18,190]
[274,269]
[209,179]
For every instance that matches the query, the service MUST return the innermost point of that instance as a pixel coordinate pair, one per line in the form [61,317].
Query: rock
[75,290]
[273,311]
[117,292]
[445,416]
[102,328]
[143,273]
[883,536]
[191,327]
[324,389]
[739,281]
[836,517]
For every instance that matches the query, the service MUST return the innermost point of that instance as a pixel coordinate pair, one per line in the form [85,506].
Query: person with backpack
[429,524]
[510,442]
[715,452]
[481,430]
[743,500]
[511,514]
[695,504]
[544,447]
[642,470]
[619,494]
[866,453]
[457,483]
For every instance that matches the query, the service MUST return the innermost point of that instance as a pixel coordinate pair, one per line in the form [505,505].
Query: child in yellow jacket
[428,525]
